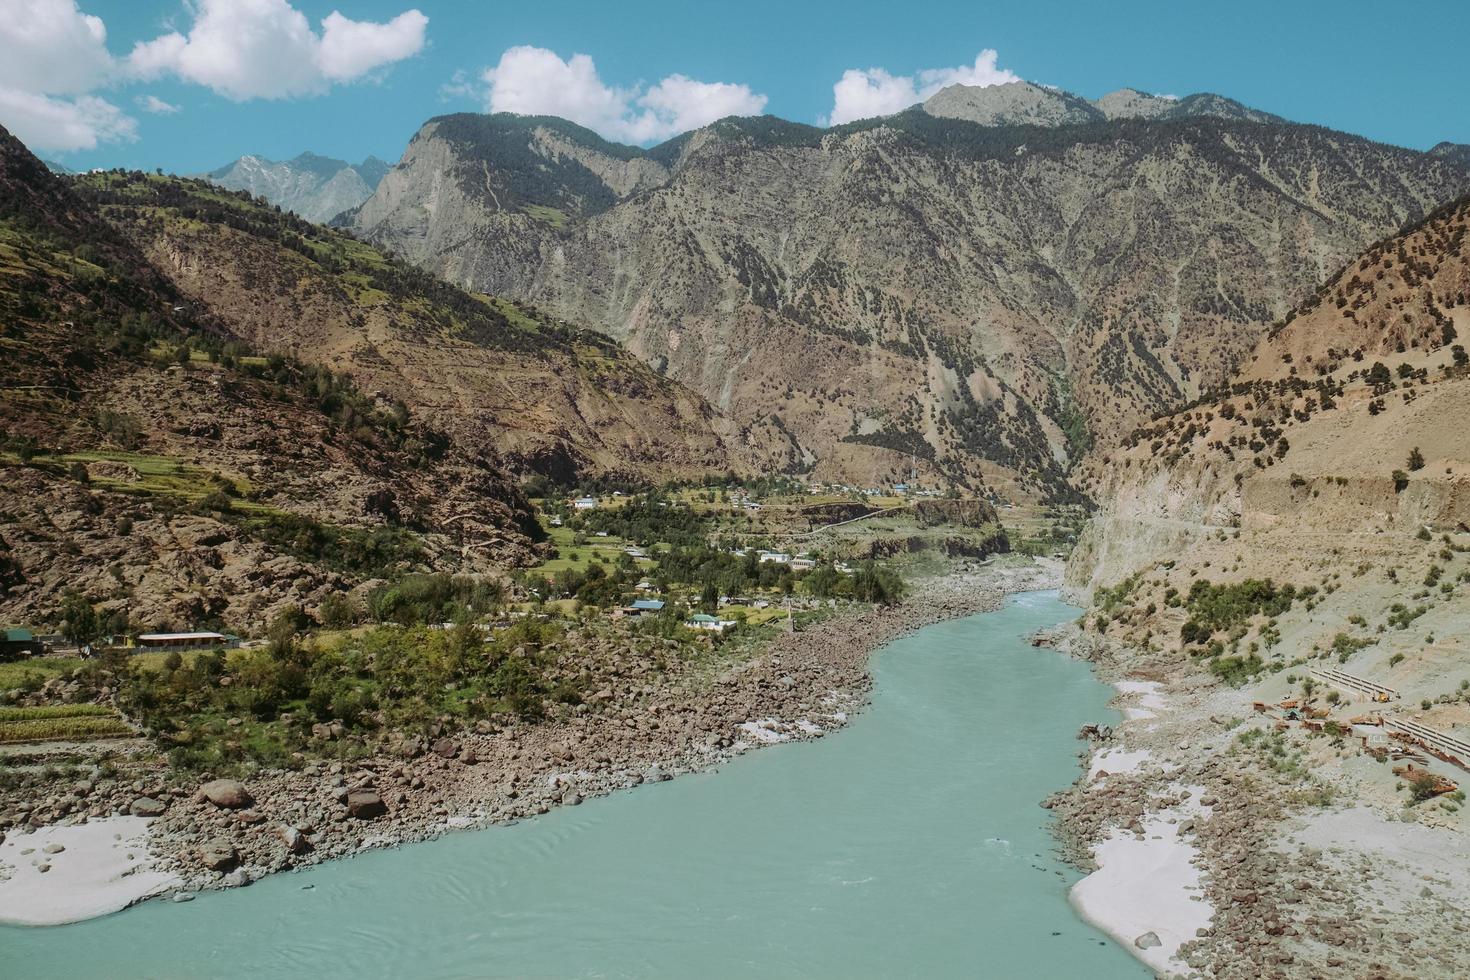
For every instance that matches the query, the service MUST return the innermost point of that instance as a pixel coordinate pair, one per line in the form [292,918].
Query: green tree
[1416,459]
[78,619]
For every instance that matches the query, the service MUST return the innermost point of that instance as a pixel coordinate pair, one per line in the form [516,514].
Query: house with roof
[18,643]
[584,503]
[709,624]
[193,640]
[644,607]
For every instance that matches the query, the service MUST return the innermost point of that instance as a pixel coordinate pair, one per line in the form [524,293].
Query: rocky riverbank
[226,833]
[1255,863]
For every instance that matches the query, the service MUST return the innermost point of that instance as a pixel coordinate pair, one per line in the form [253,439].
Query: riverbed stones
[228,794]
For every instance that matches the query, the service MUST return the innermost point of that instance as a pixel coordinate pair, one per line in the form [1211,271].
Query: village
[712,573]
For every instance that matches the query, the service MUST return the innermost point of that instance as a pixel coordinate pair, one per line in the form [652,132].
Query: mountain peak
[316,187]
[1011,104]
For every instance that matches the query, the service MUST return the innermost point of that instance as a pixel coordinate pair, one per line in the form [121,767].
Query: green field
[608,549]
[13,674]
[60,722]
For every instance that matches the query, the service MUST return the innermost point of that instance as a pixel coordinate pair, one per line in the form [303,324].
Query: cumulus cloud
[42,122]
[864,93]
[155,105]
[54,58]
[51,56]
[266,49]
[535,81]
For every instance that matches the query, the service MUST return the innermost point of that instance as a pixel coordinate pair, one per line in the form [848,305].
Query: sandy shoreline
[67,873]
[1147,891]
[800,686]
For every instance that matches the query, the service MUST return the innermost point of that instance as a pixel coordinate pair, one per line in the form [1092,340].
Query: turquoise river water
[908,844]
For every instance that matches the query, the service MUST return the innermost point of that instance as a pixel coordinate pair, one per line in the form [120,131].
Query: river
[908,844]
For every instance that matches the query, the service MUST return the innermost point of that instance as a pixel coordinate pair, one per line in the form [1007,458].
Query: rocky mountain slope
[984,301]
[315,187]
[152,463]
[498,376]
[1336,461]
[1261,563]
[1029,104]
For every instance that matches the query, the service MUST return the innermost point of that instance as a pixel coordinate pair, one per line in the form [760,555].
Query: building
[643,607]
[584,503]
[185,641]
[19,643]
[709,624]
[774,557]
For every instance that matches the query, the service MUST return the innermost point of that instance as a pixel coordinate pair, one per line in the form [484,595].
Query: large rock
[295,840]
[446,748]
[218,855]
[365,804]
[147,806]
[1148,941]
[228,793]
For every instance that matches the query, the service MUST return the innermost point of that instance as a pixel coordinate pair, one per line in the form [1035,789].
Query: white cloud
[266,49]
[51,55]
[155,105]
[43,122]
[535,81]
[51,47]
[864,93]
[54,57]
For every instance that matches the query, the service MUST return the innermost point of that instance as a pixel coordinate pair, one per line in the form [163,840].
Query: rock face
[230,794]
[1006,296]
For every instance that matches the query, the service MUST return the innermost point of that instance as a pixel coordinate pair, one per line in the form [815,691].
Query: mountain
[1012,104]
[986,301]
[1335,460]
[153,461]
[1129,103]
[1456,152]
[315,187]
[498,376]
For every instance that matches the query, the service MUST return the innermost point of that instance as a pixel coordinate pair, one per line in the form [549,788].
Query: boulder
[295,840]
[1148,941]
[228,793]
[218,855]
[445,748]
[147,806]
[365,804]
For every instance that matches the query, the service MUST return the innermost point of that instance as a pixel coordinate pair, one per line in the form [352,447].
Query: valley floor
[798,686]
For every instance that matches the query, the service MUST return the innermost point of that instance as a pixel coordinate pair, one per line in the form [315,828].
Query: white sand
[106,866]
[1117,762]
[1149,700]
[1144,886]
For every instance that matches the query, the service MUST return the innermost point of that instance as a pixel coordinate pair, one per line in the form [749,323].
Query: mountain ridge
[318,188]
[1013,292]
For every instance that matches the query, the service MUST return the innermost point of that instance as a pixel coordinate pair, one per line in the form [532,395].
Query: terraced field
[61,722]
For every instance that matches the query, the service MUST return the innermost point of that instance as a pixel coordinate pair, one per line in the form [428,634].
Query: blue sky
[364,84]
